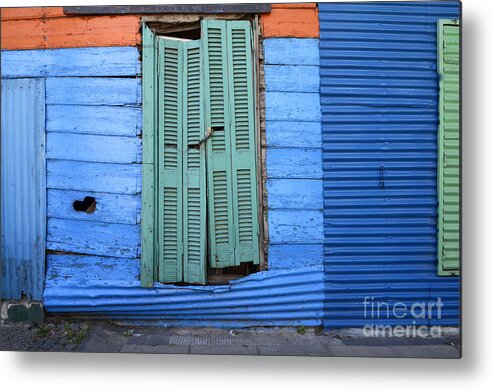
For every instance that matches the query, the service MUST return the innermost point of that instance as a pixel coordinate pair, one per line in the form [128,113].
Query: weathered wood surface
[111,208]
[293,256]
[31,13]
[301,78]
[60,32]
[94,148]
[90,61]
[292,106]
[295,194]
[294,163]
[294,153]
[291,20]
[291,51]
[99,177]
[94,91]
[296,227]
[294,134]
[96,238]
[103,120]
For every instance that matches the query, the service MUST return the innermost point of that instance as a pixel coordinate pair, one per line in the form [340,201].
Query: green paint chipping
[448,247]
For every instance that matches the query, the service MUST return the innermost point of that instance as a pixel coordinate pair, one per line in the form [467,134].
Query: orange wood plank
[31,13]
[291,22]
[71,32]
[23,34]
[293,5]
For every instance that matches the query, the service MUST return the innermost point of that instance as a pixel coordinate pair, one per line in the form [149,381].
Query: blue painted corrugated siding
[23,189]
[379,123]
[110,288]
[294,153]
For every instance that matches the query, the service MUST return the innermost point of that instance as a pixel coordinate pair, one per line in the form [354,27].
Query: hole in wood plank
[88,205]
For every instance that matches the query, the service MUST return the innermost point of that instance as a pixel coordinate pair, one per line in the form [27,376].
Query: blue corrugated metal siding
[379,123]
[110,288]
[23,188]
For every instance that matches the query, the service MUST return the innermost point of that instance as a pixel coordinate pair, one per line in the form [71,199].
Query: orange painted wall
[49,27]
[299,20]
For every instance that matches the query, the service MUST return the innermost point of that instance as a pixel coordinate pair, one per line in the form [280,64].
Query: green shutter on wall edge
[182,243]
[448,247]
[149,222]
[231,153]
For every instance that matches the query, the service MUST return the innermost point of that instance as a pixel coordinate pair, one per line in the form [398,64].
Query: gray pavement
[103,336]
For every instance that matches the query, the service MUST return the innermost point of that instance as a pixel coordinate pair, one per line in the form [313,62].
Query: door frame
[150,158]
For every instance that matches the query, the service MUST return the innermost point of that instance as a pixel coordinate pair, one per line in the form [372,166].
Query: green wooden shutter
[170,161]
[221,230]
[243,141]
[448,247]
[194,200]
[148,268]
[182,186]
[231,153]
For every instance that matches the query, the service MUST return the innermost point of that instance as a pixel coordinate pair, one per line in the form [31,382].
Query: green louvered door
[231,152]
[448,148]
[181,203]
[194,199]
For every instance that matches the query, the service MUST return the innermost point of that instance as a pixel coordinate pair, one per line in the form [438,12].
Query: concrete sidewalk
[104,336]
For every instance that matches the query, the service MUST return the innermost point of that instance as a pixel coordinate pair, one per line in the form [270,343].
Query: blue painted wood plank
[87,61]
[295,194]
[290,78]
[112,208]
[98,177]
[87,237]
[291,51]
[93,91]
[293,134]
[296,227]
[88,273]
[96,148]
[293,256]
[82,270]
[104,120]
[292,106]
[294,163]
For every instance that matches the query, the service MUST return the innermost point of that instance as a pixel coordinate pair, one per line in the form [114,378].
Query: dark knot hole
[88,205]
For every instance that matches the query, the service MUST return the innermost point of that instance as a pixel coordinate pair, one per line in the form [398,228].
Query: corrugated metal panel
[379,108]
[23,199]
[110,288]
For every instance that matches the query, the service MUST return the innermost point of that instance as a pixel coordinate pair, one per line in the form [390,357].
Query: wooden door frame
[150,158]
